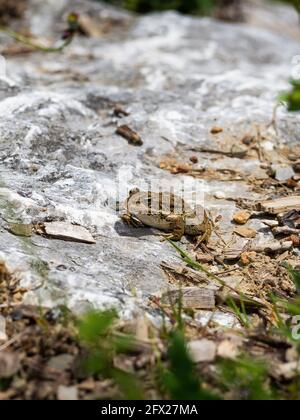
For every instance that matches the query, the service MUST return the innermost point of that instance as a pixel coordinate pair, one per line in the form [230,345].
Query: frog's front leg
[177,226]
[207,230]
[131,221]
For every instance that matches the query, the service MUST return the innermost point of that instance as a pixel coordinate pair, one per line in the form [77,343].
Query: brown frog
[167,212]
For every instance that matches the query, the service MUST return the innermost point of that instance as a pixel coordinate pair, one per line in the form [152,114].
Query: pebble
[67,393]
[282,172]
[202,350]
[194,159]
[245,232]
[3,335]
[242,217]
[220,195]
[247,257]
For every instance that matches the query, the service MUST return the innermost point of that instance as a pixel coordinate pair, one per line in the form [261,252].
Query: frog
[168,213]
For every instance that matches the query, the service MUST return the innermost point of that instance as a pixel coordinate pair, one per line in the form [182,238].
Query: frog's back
[151,203]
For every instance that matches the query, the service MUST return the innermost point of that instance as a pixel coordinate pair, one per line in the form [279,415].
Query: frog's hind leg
[177,226]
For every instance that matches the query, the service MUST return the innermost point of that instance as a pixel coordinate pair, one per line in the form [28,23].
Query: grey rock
[61,160]
[202,350]
[283,172]
[61,362]
[67,393]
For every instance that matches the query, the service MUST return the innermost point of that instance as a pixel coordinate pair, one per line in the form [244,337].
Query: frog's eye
[133,191]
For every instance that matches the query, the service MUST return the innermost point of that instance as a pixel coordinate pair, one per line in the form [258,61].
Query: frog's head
[133,192]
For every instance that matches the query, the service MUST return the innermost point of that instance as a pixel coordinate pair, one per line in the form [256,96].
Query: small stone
[227,349]
[245,232]
[216,130]
[204,258]
[248,139]
[288,371]
[296,252]
[292,355]
[181,168]
[130,135]
[270,223]
[295,239]
[241,217]
[220,195]
[202,350]
[20,229]
[61,362]
[282,172]
[9,364]
[3,335]
[67,232]
[194,159]
[296,166]
[247,257]
[67,393]
[190,297]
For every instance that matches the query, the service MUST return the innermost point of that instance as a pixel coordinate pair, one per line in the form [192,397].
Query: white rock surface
[62,161]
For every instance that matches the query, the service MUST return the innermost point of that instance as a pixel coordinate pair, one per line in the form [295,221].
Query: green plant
[245,378]
[241,312]
[292,98]
[96,332]
[67,37]
[180,380]
[295,274]
[291,307]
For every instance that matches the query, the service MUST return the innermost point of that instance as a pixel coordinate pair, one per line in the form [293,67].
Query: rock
[204,258]
[270,223]
[89,26]
[227,349]
[282,172]
[3,335]
[247,257]
[20,229]
[176,77]
[296,167]
[242,217]
[272,246]
[194,159]
[280,205]
[292,355]
[202,350]
[191,297]
[9,364]
[61,362]
[142,329]
[245,232]
[216,130]
[287,371]
[130,135]
[67,232]
[220,195]
[67,393]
